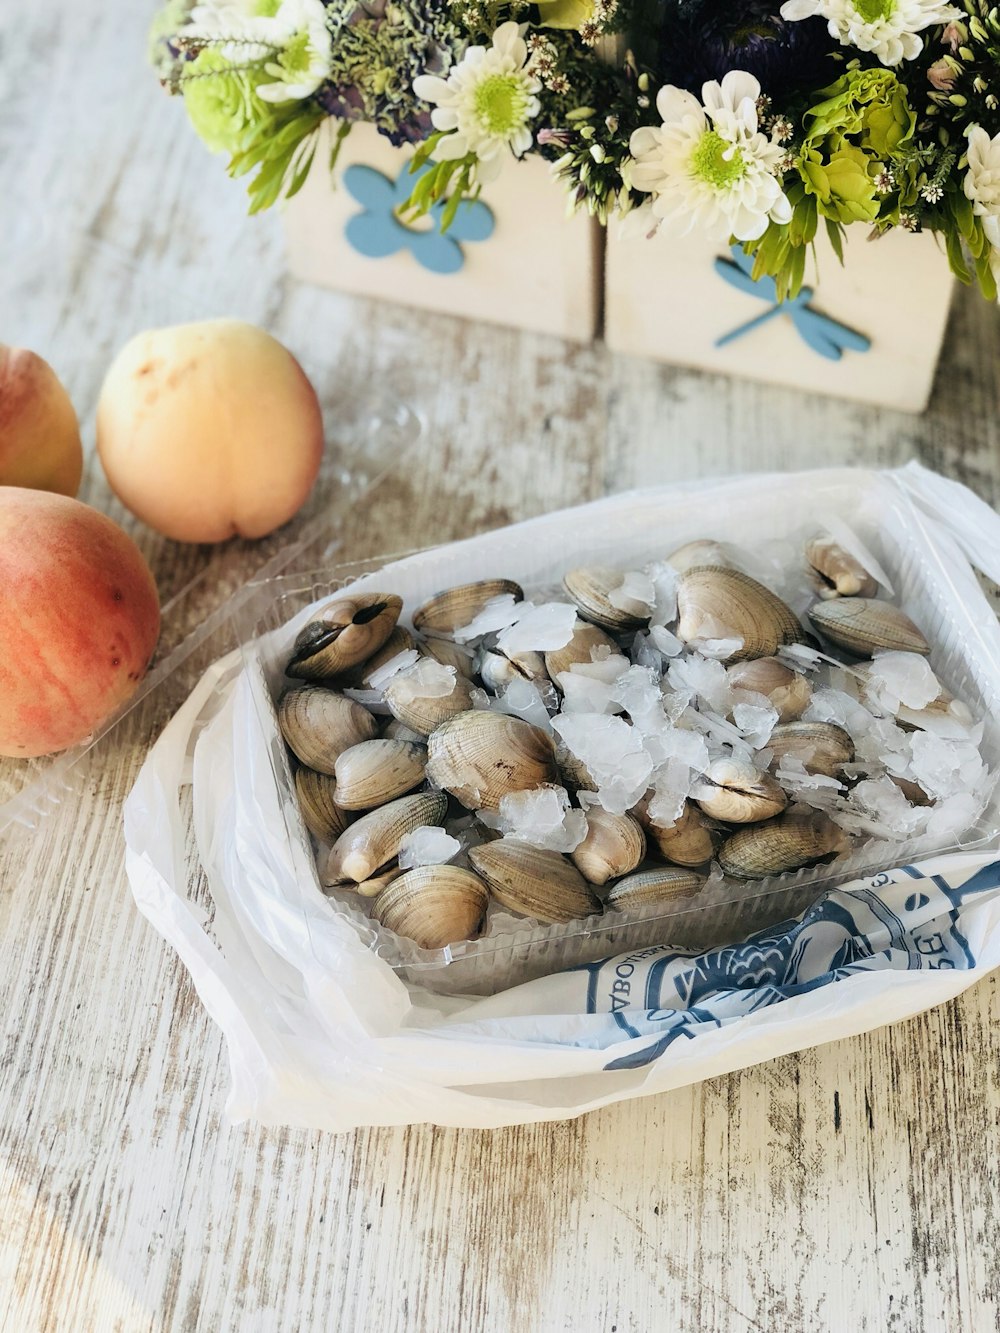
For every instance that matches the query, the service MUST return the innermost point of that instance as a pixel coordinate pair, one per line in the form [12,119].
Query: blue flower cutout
[378,232]
[824,335]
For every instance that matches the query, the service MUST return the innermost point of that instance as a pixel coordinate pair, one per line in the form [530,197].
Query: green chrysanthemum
[221,101]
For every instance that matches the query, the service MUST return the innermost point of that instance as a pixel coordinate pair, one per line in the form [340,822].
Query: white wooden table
[851,1187]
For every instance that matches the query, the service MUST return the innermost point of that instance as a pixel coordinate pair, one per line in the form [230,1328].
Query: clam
[423,712]
[399,641]
[398,731]
[497,669]
[481,756]
[450,654]
[839,573]
[533,881]
[574,772]
[456,607]
[862,624]
[737,793]
[913,792]
[319,724]
[690,841]
[789,691]
[581,648]
[375,772]
[433,905]
[614,845]
[693,555]
[649,888]
[823,747]
[317,793]
[347,632]
[372,841]
[371,888]
[591,589]
[787,843]
[716,603]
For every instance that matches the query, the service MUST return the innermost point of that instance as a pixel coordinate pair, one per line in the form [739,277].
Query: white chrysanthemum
[485,103]
[886,27]
[240,30]
[306,55]
[982,181]
[709,168]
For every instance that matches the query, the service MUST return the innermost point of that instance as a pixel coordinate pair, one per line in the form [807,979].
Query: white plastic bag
[323,1033]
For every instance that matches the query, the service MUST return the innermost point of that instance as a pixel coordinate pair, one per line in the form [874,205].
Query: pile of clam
[618,744]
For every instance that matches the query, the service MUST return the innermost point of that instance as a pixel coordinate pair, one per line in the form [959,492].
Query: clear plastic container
[940,593]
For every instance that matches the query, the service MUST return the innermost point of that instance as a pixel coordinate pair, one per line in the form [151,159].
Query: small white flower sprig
[482,112]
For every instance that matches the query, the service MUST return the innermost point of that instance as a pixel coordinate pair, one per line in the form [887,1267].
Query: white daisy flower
[982,181]
[306,56]
[886,27]
[485,103]
[709,168]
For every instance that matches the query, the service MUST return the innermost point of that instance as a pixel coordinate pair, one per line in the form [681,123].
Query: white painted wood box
[870,330]
[514,259]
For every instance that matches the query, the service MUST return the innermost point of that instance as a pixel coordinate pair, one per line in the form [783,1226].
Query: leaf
[835,232]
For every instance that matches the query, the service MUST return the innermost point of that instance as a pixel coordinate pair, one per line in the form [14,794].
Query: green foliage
[453,179]
[279,151]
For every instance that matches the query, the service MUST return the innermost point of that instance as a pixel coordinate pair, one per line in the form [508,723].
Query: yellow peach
[209,431]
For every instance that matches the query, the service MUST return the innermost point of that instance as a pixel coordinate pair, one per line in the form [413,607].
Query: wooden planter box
[871,329]
[516,259]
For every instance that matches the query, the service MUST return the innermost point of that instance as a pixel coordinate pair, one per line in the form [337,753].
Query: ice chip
[955,815]
[638,691]
[585,694]
[429,679]
[703,677]
[522,699]
[665,641]
[427,846]
[498,613]
[671,788]
[890,813]
[606,669]
[613,753]
[756,722]
[540,629]
[372,700]
[723,648]
[945,767]
[635,595]
[902,678]
[542,817]
[379,679]
[664,579]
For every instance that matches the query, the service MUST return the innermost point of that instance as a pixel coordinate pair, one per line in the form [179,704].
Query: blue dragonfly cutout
[826,336]
[378,232]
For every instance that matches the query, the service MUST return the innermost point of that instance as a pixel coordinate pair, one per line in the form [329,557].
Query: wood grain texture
[850,1187]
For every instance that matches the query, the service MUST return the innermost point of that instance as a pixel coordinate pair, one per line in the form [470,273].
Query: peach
[209,430]
[79,619]
[39,433]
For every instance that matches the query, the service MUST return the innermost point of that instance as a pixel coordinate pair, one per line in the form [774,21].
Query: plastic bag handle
[971,523]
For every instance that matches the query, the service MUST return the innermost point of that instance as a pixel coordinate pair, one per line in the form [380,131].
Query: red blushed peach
[209,430]
[79,619]
[39,433]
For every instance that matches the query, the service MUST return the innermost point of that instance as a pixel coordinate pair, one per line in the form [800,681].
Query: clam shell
[399,641]
[738,794]
[590,589]
[497,670]
[861,624]
[533,881]
[614,845]
[693,555]
[347,632]
[787,843]
[823,747]
[456,607]
[317,793]
[320,724]
[481,756]
[371,888]
[690,841]
[376,772]
[580,648]
[913,792]
[372,841]
[450,654]
[424,713]
[574,772]
[648,888]
[789,691]
[716,603]
[840,574]
[433,905]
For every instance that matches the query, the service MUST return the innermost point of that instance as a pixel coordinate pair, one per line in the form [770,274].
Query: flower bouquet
[760,128]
